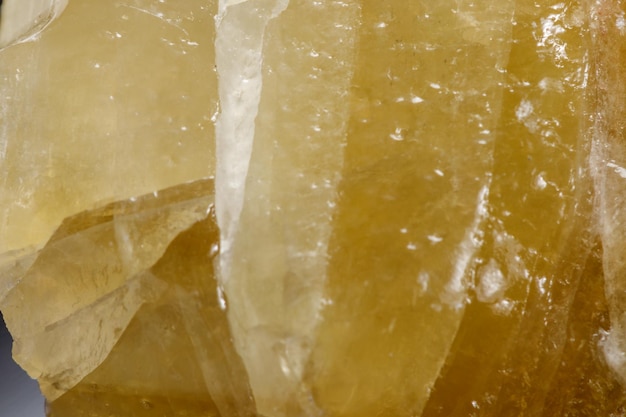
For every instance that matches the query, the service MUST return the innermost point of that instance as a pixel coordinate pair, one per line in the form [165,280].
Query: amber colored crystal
[175,356]
[418,208]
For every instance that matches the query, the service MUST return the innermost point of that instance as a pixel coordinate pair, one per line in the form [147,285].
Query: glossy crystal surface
[417,210]
[111,100]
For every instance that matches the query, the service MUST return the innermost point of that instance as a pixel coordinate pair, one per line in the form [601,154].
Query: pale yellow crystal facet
[113,99]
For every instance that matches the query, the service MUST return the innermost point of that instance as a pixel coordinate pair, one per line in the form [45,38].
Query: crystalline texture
[418,208]
[23,20]
[284,204]
[608,161]
[90,112]
[91,270]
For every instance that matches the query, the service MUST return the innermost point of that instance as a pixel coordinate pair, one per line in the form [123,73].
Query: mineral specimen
[416,208]
[111,100]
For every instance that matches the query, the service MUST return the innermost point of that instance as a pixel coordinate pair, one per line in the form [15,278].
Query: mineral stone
[171,350]
[298,208]
[111,100]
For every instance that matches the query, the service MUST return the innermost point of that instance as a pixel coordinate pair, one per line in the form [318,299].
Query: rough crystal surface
[418,208]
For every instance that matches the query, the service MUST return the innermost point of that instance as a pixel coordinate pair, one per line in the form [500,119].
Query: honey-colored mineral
[418,208]
[111,100]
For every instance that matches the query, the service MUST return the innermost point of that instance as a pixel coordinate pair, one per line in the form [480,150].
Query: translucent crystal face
[21,21]
[110,101]
[417,208]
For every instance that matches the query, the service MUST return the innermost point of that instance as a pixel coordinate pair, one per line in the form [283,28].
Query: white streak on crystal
[221,298]
[503,307]
[284,366]
[434,239]
[540,182]
[157,15]
[215,248]
[620,23]
[524,110]
[397,135]
[621,171]
[551,28]
[238,50]
[423,279]
[456,288]
[491,284]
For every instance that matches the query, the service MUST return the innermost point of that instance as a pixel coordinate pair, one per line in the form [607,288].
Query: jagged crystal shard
[93,271]
[174,355]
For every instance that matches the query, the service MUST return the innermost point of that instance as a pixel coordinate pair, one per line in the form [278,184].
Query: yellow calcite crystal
[417,208]
[108,90]
[175,355]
